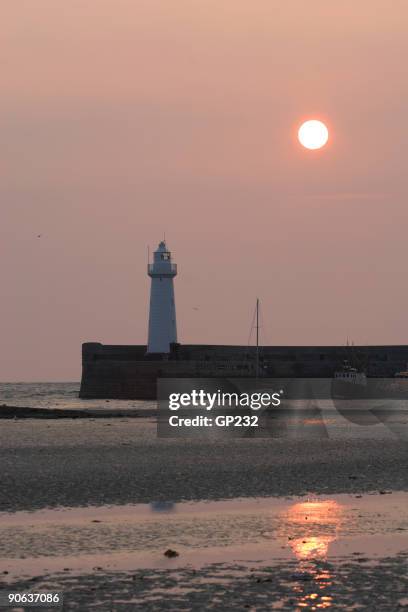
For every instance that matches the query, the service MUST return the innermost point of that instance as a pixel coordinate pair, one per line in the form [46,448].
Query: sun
[313,134]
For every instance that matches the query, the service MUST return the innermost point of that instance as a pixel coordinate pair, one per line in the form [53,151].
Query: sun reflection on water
[315,525]
[311,527]
[314,547]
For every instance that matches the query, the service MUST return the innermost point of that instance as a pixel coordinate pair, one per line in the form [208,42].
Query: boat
[349,375]
[366,401]
[403,374]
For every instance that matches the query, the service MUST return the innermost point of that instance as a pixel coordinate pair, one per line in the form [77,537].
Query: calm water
[258,532]
[328,421]
[59,396]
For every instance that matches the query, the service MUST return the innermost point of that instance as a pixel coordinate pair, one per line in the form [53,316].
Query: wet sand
[298,545]
[120,461]
[340,552]
[346,585]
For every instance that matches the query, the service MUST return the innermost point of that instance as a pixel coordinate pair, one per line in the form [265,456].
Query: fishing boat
[349,375]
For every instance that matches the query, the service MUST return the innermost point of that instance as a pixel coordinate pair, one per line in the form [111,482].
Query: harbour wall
[126,372]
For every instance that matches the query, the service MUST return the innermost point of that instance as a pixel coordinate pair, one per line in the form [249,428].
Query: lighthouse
[162,313]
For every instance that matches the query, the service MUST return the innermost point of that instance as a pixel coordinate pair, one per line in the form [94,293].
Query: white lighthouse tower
[162,314]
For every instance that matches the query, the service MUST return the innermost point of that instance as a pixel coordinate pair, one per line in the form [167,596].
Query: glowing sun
[313,134]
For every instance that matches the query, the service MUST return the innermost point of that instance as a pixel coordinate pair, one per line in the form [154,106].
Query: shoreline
[26,412]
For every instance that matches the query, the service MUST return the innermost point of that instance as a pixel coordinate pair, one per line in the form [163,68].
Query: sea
[301,420]
[61,396]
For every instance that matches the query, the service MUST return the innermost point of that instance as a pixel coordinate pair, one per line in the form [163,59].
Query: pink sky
[121,119]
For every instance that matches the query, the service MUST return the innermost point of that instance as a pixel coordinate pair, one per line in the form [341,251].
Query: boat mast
[257,337]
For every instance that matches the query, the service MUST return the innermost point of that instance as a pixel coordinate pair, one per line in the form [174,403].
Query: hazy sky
[122,119]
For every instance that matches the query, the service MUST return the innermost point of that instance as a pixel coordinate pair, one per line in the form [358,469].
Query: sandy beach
[120,461]
[89,507]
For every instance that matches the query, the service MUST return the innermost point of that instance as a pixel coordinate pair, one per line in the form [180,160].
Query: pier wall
[125,372]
